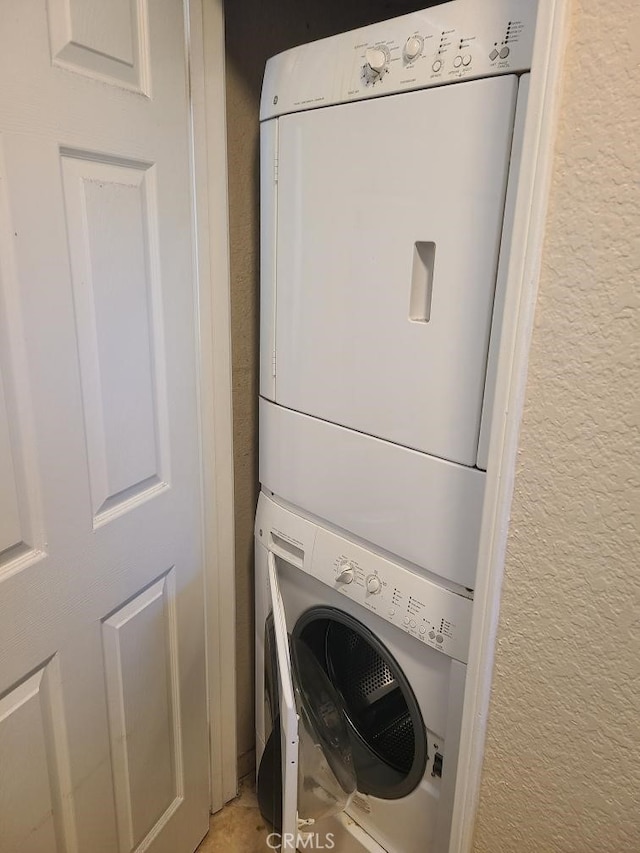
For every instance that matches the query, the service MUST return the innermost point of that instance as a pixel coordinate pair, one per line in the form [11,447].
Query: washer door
[308,756]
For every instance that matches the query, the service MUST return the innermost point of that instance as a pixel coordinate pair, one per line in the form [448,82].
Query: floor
[239,827]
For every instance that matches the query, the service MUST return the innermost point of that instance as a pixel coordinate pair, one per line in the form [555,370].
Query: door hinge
[273,363]
[275,170]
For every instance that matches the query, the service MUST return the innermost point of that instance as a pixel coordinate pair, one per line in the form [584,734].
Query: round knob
[413,48]
[345,573]
[373,584]
[376,60]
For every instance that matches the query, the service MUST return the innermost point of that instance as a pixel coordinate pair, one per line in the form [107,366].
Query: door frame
[206,60]
[529,225]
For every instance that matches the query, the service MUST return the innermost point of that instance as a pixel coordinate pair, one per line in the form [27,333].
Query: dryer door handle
[424,253]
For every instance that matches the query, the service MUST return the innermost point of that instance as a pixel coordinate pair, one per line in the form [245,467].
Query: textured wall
[562,762]
[255,30]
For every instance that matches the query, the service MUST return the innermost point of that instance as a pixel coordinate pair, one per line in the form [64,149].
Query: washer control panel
[436,616]
[443,44]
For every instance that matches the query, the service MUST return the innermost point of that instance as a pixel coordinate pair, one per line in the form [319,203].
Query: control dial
[376,63]
[345,572]
[413,48]
[373,584]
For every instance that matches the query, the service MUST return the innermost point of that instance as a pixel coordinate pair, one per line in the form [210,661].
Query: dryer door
[389,221]
[316,764]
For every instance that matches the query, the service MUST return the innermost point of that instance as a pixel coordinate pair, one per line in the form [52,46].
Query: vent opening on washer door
[386,727]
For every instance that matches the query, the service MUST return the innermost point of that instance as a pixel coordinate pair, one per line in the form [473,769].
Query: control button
[392,611]
[437,65]
[406,620]
[504,52]
[413,48]
[413,623]
[423,630]
[345,573]
[457,62]
[373,584]
[439,639]
[493,55]
[466,59]
[432,635]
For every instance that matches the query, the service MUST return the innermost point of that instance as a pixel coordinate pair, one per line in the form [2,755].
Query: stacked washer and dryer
[389,162]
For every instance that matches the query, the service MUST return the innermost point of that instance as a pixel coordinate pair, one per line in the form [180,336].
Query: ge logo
[275,99]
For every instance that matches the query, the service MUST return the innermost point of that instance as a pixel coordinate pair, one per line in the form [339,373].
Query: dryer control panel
[434,615]
[447,43]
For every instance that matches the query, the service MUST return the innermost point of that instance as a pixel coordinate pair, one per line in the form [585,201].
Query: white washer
[385,234]
[394,645]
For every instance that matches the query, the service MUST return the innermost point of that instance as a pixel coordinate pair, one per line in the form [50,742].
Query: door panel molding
[21,534]
[126,423]
[144,712]
[113,50]
[39,808]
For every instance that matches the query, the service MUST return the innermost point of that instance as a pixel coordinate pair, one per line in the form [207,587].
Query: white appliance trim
[209,152]
[522,284]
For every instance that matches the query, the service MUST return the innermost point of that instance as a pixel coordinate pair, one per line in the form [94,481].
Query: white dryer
[388,156]
[393,646]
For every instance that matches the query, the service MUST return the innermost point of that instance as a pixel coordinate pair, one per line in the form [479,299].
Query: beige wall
[255,30]
[562,763]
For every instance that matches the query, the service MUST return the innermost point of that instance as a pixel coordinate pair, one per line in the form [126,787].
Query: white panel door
[103,729]
[389,219]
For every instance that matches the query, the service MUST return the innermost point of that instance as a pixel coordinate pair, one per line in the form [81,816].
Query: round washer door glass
[387,731]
